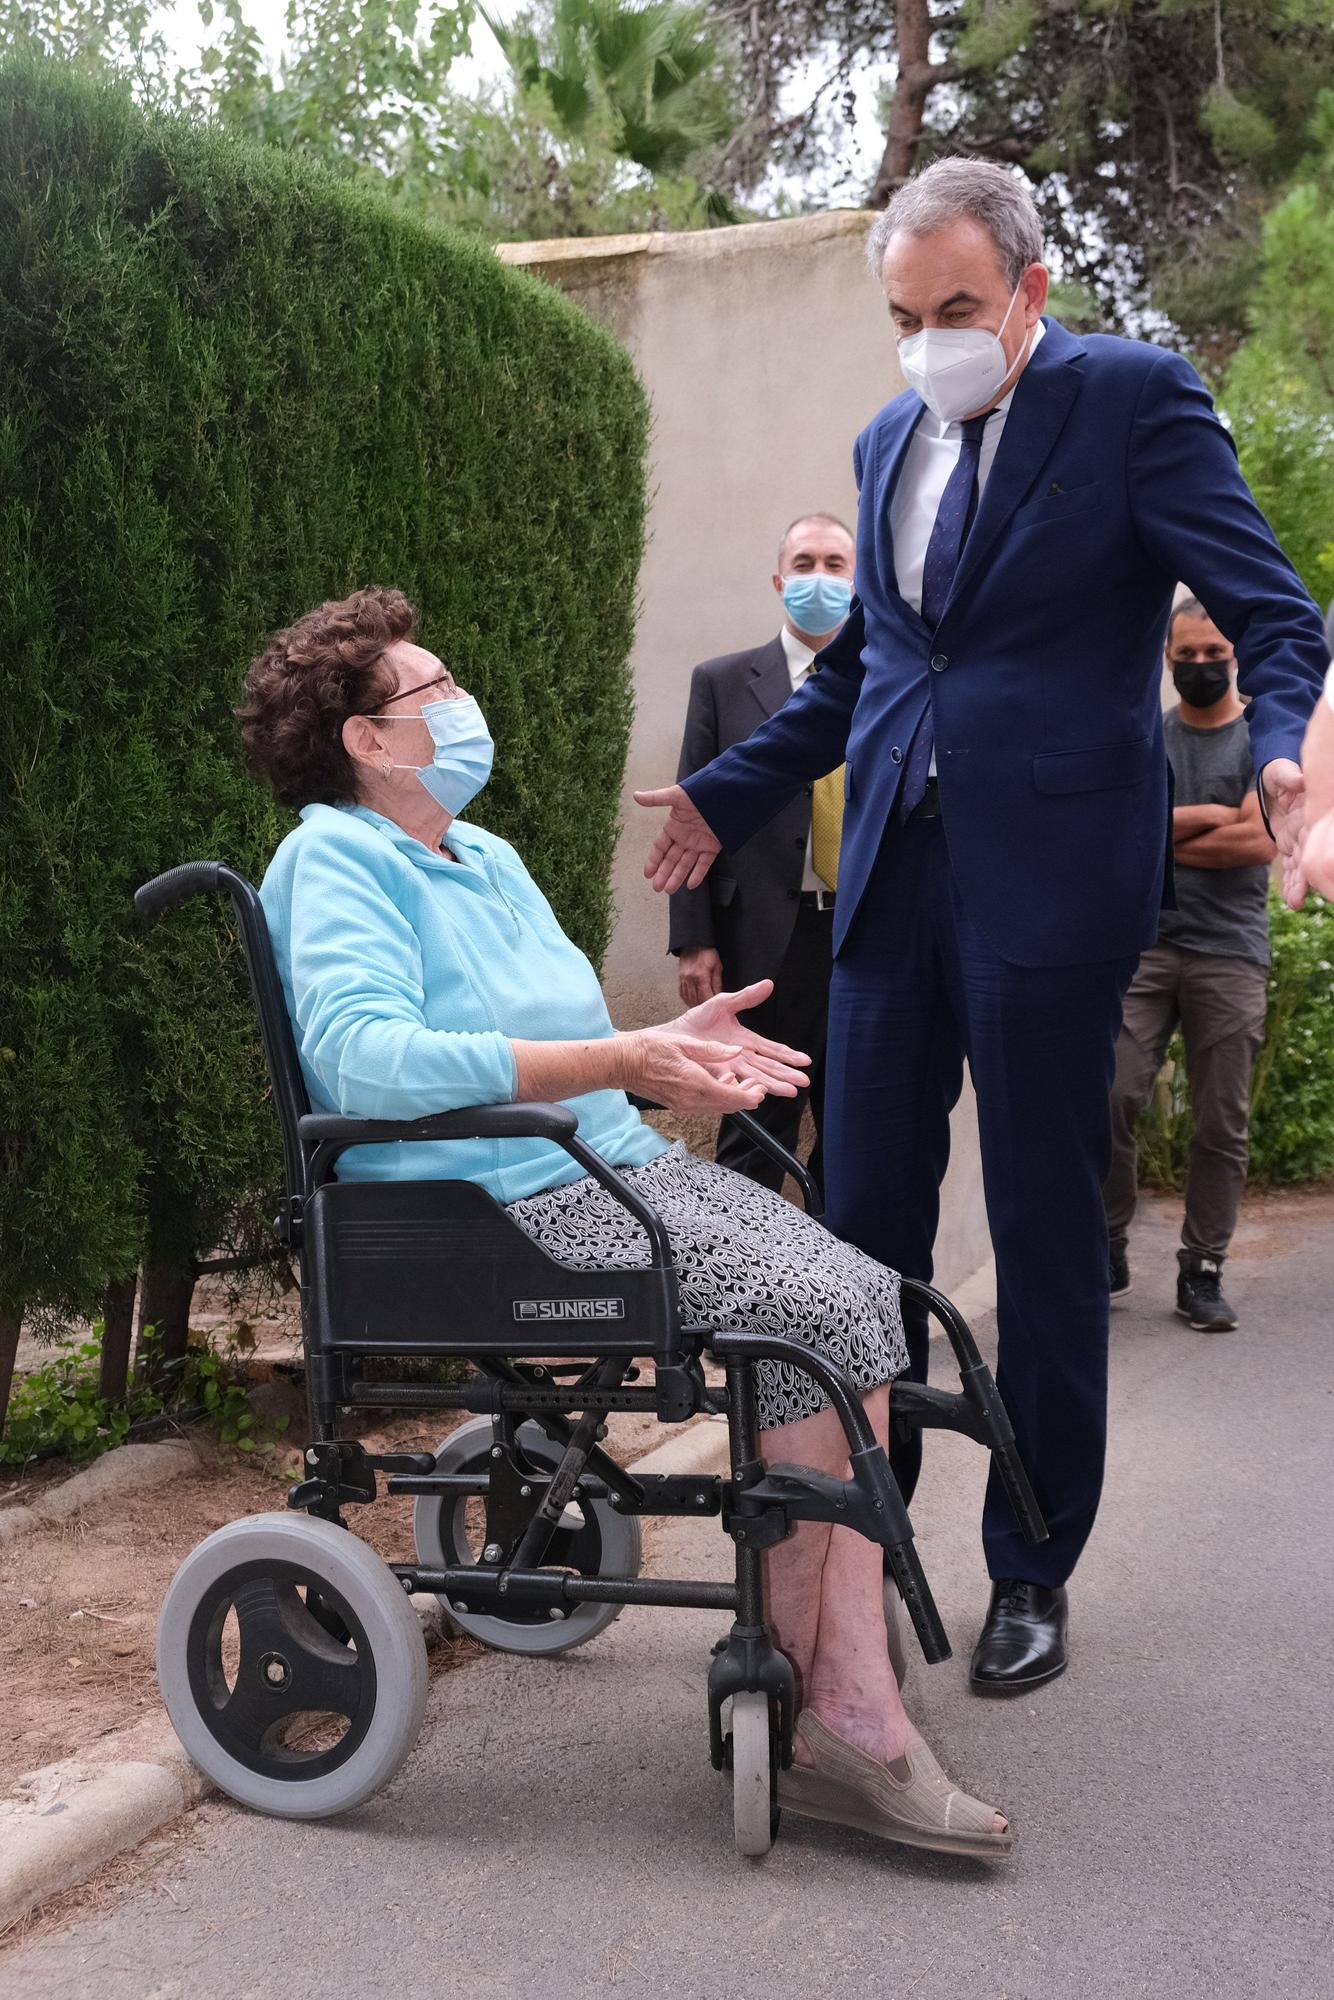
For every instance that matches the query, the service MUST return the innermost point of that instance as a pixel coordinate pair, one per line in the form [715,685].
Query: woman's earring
[386,767]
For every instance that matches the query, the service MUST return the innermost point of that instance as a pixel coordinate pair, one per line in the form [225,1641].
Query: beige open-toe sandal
[911,1801]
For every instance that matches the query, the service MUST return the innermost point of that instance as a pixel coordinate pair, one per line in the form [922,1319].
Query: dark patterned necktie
[954,517]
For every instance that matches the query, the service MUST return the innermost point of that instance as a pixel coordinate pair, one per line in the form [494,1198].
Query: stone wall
[764,350]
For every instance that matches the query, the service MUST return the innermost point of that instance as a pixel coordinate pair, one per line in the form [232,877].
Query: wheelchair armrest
[324,1135]
[477,1121]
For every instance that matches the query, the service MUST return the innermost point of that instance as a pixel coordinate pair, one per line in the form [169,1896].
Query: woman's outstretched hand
[706,1060]
[782,1070]
[685,1072]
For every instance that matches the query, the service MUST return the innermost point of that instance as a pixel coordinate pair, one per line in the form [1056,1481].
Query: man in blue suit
[1027,506]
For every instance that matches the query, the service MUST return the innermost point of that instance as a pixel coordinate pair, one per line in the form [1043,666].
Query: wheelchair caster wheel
[592,1539]
[292,1665]
[754,1760]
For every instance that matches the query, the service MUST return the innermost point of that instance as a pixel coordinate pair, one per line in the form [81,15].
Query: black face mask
[1202,682]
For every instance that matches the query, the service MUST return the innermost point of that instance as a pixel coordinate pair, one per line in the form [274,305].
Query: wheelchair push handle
[177,885]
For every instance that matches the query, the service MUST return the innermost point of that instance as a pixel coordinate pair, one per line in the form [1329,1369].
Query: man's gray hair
[951,190]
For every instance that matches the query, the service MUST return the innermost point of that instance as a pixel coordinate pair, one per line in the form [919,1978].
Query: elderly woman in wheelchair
[447,1037]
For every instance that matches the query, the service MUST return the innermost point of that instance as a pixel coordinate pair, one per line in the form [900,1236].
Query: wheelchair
[291,1660]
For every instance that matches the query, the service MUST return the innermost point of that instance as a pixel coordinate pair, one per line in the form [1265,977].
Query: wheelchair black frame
[521,1374]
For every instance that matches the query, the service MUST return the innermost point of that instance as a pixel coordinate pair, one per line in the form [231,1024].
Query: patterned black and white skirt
[747,1261]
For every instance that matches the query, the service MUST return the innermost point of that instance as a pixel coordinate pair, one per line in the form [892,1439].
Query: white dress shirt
[799,656]
[931,457]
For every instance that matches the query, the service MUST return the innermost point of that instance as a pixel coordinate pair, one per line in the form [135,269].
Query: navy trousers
[916,990]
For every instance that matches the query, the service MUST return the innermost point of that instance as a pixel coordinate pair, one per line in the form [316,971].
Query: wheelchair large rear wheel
[593,1539]
[292,1665]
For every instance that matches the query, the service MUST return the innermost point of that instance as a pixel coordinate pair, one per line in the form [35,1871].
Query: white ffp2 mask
[956,369]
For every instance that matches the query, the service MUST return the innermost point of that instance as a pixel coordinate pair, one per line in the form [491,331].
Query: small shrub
[59,1410]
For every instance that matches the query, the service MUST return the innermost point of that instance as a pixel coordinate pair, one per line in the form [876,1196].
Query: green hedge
[232,386]
[1292,1093]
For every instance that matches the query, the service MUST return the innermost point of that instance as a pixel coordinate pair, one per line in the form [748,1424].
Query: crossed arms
[1221,836]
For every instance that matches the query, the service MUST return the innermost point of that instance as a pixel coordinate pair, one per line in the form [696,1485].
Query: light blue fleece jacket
[406,975]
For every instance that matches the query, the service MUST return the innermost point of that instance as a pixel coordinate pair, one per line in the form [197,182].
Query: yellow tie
[826,819]
[827,826]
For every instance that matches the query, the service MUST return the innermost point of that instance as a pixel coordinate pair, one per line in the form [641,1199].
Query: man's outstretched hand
[684,851]
[1285,797]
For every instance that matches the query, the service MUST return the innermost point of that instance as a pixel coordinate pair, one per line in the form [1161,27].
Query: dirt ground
[79,1602]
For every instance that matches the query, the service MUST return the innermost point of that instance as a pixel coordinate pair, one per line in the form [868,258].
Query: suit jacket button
[896,755]
[939,662]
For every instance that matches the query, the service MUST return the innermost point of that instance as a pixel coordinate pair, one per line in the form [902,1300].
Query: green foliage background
[1279,390]
[232,385]
[1292,1091]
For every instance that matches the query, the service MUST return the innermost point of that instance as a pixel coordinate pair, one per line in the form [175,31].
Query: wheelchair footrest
[802,1494]
[762,1513]
[976,1413]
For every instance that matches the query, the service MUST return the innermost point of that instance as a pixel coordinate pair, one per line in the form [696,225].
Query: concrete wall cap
[699,244]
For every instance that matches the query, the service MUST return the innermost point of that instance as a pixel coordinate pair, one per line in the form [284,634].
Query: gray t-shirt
[1219,910]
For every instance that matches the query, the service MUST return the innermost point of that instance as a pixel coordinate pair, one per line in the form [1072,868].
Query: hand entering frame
[1285,796]
[687,846]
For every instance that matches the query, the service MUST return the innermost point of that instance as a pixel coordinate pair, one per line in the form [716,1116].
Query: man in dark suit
[768,911]
[1027,507]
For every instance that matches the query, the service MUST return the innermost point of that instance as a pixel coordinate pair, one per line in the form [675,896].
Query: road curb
[68,1819]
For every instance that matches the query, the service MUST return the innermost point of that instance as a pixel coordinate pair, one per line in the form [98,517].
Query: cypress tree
[232,385]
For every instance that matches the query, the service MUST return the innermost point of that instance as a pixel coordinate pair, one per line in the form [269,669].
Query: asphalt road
[558,1832]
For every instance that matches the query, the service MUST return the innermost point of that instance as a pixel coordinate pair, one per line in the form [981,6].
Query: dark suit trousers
[916,989]
[796,1012]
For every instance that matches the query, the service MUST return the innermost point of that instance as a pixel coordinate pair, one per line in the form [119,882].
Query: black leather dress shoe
[1023,1641]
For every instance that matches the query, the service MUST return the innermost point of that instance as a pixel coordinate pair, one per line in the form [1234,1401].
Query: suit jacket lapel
[896,453]
[770,682]
[1043,398]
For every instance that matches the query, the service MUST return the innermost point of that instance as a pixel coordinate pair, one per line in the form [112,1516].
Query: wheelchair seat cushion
[747,1261]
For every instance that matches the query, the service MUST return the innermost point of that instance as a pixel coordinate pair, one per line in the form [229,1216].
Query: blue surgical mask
[815,601]
[464,751]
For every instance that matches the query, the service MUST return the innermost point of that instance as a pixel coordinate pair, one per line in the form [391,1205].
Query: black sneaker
[1118,1273]
[1200,1298]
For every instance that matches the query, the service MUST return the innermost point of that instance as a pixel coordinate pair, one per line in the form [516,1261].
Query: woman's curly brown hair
[304,685]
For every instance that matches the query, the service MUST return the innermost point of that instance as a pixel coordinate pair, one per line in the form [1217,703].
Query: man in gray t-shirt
[1207,972]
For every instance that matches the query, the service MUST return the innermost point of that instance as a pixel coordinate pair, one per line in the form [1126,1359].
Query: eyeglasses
[445,681]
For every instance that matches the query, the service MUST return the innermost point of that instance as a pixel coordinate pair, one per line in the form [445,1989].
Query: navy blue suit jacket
[1113,480]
